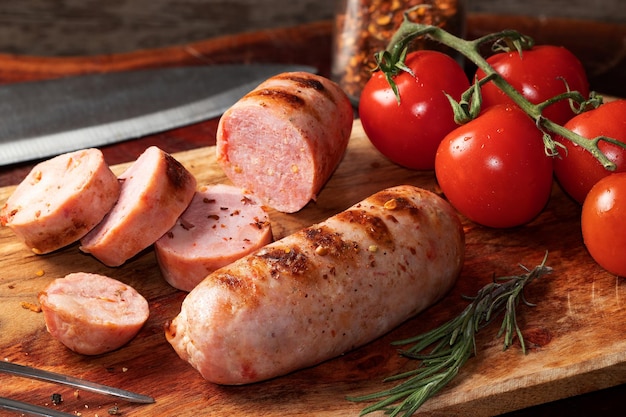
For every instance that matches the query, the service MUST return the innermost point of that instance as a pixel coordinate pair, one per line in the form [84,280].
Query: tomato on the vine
[409,132]
[540,73]
[603,225]
[576,169]
[494,169]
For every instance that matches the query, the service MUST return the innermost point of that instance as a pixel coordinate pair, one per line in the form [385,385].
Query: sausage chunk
[322,291]
[92,314]
[155,190]
[221,225]
[60,200]
[284,139]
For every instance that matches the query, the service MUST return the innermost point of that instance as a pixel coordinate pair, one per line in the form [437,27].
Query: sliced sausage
[155,190]
[284,139]
[221,225]
[60,200]
[92,314]
[322,291]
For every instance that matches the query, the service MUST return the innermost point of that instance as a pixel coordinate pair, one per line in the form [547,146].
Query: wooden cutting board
[575,333]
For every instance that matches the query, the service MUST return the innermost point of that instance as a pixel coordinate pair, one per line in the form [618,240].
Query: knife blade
[40,119]
[47,376]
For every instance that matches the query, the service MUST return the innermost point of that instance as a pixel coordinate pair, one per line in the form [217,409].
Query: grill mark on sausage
[308,83]
[283,97]
[177,175]
[373,225]
[326,242]
[292,261]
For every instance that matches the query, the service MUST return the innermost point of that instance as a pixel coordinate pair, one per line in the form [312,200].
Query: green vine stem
[392,60]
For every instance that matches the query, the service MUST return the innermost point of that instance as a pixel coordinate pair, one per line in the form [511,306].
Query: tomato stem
[397,48]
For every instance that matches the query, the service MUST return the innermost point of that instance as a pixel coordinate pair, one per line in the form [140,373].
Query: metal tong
[41,375]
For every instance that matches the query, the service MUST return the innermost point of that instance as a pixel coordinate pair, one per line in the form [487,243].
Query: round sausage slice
[221,225]
[322,291]
[60,200]
[155,190]
[92,314]
[283,140]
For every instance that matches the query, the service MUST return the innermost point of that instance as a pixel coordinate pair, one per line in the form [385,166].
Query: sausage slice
[221,225]
[155,190]
[92,314]
[284,139]
[60,200]
[322,291]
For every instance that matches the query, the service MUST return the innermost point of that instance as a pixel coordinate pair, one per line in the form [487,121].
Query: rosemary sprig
[452,344]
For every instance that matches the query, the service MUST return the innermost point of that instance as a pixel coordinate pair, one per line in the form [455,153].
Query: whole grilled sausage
[322,291]
[283,140]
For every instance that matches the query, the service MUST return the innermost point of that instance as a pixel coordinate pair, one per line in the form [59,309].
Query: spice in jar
[364,27]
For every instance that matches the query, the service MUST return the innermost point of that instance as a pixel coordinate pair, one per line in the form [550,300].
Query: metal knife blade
[39,119]
[42,375]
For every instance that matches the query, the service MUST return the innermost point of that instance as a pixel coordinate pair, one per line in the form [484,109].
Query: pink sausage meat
[155,190]
[221,225]
[60,200]
[284,139]
[92,314]
[322,291]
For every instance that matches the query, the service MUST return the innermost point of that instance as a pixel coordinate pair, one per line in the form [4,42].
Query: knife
[41,375]
[40,119]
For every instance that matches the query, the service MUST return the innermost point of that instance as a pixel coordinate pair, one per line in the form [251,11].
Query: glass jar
[364,27]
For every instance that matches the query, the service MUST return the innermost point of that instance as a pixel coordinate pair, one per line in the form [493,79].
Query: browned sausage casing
[284,139]
[322,291]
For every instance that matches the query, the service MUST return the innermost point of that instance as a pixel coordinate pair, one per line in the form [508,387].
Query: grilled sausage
[322,291]
[155,190]
[284,139]
[92,314]
[221,225]
[60,200]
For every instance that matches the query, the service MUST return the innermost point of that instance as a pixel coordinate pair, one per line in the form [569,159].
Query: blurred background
[88,27]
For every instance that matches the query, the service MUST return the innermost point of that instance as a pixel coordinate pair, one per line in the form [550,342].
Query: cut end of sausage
[61,200]
[92,314]
[270,156]
[221,225]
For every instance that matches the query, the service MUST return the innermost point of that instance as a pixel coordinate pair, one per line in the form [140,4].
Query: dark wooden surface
[598,47]
[90,27]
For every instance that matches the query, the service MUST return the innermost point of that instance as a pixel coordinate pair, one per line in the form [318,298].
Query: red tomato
[409,133]
[494,169]
[576,169]
[539,74]
[603,225]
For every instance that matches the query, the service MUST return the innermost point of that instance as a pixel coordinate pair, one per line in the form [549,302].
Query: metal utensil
[30,409]
[42,375]
[39,119]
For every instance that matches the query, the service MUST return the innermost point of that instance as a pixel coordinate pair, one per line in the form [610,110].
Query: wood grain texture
[575,334]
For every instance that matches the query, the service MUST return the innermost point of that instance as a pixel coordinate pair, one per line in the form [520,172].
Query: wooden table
[601,390]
